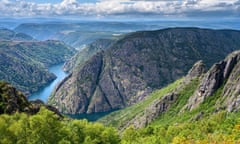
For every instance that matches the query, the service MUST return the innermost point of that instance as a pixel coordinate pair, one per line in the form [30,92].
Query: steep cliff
[198,95]
[86,53]
[137,64]
[224,76]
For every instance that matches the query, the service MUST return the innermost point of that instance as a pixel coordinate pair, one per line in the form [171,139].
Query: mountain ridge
[139,63]
[9,35]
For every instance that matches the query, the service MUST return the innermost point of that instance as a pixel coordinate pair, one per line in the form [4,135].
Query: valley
[24,61]
[126,82]
[45,92]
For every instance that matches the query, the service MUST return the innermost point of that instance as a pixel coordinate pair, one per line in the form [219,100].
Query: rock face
[226,71]
[137,64]
[160,106]
[222,76]
[196,71]
[81,57]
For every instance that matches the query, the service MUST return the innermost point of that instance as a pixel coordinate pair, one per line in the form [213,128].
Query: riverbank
[45,92]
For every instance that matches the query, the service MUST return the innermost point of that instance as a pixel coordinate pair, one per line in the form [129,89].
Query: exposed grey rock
[154,110]
[197,70]
[231,90]
[84,55]
[215,78]
[222,81]
[162,105]
[141,62]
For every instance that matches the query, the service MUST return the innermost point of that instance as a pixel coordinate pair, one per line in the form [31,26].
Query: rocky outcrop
[12,101]
[226,70]
[160,106]
[231,90]
[139,63]
[196,71]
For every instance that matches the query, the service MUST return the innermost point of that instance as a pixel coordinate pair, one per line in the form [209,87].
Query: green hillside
[24,63]
[6,34]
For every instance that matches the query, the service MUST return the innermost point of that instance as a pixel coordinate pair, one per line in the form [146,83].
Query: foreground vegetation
[221,128]
[45,127]
[170,127]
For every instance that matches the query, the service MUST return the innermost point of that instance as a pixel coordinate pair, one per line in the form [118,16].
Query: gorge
[46,91]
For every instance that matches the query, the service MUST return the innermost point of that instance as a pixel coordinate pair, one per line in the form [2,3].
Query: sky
[120,8]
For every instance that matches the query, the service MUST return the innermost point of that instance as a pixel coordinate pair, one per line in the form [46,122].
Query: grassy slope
[121,117]
[181,127]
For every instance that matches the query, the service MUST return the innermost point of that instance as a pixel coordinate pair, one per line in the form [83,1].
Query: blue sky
[121,8]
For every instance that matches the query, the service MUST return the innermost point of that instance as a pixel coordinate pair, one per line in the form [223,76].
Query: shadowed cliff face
[137,64]
[81,57]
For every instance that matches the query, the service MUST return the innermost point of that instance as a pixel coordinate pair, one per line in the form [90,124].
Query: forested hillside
[24,62]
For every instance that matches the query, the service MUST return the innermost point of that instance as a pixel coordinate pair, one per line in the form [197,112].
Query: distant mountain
[137,64]
[24,63]
[43,31]
[78,39]
[6,34]
[82,33]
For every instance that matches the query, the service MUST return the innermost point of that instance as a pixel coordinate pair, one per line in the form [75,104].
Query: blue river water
[45,92]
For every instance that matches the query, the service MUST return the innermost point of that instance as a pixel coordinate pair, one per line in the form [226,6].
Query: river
[45,92]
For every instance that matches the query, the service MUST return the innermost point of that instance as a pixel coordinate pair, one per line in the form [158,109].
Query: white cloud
[14,8]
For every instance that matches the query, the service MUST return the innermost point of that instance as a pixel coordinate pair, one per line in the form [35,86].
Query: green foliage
[181,128]
[172,115]
[171,127]
[222,127]
[45,127]
[24,64]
